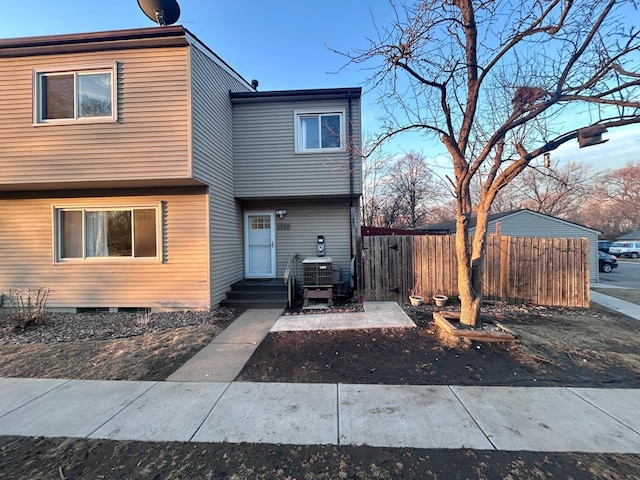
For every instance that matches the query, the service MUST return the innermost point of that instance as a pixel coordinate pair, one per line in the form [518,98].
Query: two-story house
[138,169]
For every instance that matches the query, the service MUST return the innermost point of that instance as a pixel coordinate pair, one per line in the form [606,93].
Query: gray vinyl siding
[307,220]
[212,147]
[266,164]
[149,142]
[180,282]
[530,224]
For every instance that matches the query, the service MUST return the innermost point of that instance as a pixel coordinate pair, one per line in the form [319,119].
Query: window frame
[57,211]
[299,114]
[40,73]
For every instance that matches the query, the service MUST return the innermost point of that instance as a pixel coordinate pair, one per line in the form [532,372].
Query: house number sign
[284,226]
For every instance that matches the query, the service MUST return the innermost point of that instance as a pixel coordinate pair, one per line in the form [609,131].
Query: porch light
[281,213]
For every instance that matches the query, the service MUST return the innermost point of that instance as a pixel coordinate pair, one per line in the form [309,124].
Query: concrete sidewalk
[501,418]
[622,306]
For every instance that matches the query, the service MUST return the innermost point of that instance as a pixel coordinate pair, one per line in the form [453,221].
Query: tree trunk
[470,253]
[470,289]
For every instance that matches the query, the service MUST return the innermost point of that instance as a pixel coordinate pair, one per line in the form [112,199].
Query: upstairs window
[107,233]
[83,96]
[319,131]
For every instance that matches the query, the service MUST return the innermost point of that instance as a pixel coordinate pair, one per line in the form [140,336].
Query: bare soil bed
[108,346]
[558,347]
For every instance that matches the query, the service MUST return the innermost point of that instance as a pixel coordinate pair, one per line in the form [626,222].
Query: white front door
[260,245]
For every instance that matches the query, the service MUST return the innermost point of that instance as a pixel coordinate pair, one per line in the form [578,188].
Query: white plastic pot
[416,300]
[441,300]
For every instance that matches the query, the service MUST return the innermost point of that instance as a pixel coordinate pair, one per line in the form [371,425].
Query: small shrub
[144,319]
[27,307]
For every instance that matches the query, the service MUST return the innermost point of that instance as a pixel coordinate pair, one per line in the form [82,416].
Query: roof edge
[93,37]
[523,210]
[450,225]
[274,95]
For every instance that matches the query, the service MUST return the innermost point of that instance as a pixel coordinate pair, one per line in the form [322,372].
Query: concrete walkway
[224,357]
[501,418]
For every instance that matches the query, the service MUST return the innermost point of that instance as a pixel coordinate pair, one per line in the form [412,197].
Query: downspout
[355,234]
[350,130]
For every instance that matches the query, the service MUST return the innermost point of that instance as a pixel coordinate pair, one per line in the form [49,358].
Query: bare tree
[613,206]
[375,169]
[398,192]
[622,188]
[414,190]
[559,190]
[499,83]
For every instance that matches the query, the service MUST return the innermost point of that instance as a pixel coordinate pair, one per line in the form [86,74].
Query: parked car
[603,245]
[607,262]
[625,249]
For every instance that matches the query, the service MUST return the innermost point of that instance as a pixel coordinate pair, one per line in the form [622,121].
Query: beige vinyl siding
[531,224]
[213,164]
[150,140]
[26,243]
[307,220]
[264,150]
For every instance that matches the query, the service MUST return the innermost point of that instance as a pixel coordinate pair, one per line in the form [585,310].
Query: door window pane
[260,223]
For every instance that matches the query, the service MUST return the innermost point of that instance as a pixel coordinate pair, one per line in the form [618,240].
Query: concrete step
[254,303]
[258,290]
[268,293]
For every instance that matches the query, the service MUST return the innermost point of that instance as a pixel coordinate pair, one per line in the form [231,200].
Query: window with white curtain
[85,233]
[319,131]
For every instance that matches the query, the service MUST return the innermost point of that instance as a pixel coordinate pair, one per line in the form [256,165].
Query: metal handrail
[290,277]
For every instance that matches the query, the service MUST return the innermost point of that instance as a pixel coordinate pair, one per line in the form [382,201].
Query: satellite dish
[163,12]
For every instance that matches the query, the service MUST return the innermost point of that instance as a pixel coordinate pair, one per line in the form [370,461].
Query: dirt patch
[45,458]
[558,347]
[104,346]
[591,347]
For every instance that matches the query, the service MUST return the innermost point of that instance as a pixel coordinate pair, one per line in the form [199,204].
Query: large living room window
[107,233]
[82,96]
[319,131]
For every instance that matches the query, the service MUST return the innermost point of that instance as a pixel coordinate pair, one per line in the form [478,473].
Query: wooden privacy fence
[541,271]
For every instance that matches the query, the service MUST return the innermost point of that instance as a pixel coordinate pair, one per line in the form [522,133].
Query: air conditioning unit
[318,272]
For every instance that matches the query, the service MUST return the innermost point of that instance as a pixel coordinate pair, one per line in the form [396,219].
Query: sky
[285,45]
